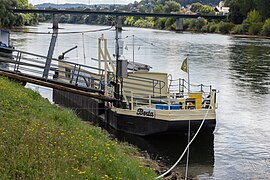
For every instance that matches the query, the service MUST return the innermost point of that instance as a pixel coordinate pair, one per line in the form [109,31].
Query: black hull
[144,126]
[93,110]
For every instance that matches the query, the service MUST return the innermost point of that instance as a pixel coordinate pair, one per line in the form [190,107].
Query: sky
[34,2]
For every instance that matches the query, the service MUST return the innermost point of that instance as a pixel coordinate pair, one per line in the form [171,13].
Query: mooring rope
[175,164]
[186,174]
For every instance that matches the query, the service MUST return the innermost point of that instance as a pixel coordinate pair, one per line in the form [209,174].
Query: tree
[158,9]
[253,17]
[203,9]
[171,6]
[266,28]
[235,15]
[195,7]
[7,18]
[263,7]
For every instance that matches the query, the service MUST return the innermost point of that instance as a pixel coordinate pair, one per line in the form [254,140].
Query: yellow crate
[198,99]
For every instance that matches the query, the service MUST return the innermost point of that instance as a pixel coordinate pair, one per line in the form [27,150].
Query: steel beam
[118,13]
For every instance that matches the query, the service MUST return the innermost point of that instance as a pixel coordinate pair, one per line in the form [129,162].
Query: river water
[239,68]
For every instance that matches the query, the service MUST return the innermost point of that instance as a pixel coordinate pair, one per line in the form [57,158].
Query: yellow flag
[184,66]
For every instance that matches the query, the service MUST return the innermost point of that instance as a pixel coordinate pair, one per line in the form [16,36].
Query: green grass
[41,141]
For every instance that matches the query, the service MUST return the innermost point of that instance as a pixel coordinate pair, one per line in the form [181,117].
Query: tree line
[250,17]
[9,19]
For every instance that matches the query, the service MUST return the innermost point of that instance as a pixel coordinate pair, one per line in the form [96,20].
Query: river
[239,68]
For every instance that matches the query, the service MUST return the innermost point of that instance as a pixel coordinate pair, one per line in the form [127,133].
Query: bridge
[118,13]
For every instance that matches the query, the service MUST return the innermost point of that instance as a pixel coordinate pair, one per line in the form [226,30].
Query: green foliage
[213,28]
[266,28]
[158,9]
[144,23]
[192,25]
[199,23]
[9,19]
[41,141]
[253,17]
[253,23]
[239,9]
[169,24]
[195,7]
[255,28]
[161,23]
[203,9]
[238,29]
[196,24]
[263,7]
[171,6]
[225,27]
[129,21]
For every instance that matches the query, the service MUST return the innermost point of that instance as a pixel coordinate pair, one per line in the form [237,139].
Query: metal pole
[51,48]
[188,76]
[133,47]
[117,90]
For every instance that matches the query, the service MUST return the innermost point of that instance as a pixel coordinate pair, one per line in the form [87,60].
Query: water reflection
[168,148]
[250,65]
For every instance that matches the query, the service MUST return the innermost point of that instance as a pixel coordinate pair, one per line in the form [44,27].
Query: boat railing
[139,84]
[65,71]
[180,86]
[170,101]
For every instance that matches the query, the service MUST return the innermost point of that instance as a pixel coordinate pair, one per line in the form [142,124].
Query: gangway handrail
[41,56]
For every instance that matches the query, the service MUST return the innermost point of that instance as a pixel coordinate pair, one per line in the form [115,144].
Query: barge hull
[144,126]
[93,110]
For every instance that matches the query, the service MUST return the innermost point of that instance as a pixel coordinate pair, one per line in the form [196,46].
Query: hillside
[39,140]
[70,6]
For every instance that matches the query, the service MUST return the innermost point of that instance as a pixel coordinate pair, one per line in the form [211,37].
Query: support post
[51,48]
[118,31]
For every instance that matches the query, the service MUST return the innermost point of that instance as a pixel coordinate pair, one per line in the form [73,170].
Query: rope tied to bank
[187,147]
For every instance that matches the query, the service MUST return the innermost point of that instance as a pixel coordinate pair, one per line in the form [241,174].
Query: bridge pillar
[179,24]
[55,18]
[119,23]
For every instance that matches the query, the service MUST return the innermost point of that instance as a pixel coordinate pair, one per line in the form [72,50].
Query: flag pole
[188,75]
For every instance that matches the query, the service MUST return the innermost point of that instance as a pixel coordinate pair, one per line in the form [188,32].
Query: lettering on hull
[145,112]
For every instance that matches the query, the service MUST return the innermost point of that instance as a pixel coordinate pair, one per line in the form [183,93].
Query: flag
[184,66]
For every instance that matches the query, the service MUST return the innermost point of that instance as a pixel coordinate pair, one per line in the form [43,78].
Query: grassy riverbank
[41,141]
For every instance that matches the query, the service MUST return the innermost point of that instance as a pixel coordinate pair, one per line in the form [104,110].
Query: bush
[205,28]
[169,22]
[266,28]
[199,23]
[238,29]
[213,28]
[255,28]
[144,23]
[225,27]
[192,25]
[161,23]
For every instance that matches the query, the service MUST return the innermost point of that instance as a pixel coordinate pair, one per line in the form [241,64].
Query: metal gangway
[62,75]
